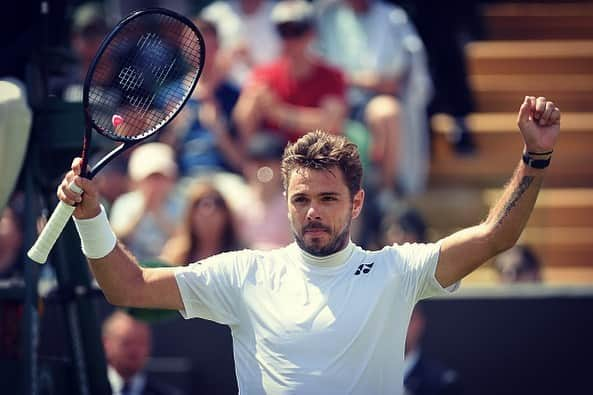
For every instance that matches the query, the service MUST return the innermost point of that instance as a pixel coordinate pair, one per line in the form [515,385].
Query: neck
[332,260]
[300,66]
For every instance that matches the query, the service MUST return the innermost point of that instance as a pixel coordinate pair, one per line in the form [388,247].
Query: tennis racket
[143,73]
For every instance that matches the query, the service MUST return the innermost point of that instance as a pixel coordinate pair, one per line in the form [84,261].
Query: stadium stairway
[538,49]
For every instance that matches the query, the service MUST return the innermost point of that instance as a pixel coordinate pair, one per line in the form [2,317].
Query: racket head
[143,73]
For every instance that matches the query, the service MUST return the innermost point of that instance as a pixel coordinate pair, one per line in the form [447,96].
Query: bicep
[160,289]
[463,252]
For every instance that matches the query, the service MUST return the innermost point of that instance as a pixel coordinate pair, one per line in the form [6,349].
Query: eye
[329,198]
[299,200]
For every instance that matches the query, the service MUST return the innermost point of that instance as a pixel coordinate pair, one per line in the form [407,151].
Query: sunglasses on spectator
[288,30]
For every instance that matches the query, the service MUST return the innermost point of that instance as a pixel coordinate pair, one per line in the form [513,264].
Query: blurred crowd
[210,183]
[274,70]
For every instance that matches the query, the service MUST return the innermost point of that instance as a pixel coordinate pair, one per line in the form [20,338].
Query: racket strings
[144,76]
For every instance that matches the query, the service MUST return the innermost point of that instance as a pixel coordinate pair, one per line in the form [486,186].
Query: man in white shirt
[320,315]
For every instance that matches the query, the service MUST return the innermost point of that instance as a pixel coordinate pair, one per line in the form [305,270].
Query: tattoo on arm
[514,198]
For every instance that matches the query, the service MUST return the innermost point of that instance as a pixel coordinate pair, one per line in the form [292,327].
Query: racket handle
[52,230]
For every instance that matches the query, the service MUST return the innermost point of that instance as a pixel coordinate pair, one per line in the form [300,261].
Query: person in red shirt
[298,92]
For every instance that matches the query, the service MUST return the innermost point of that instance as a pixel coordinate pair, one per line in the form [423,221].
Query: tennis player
[321,315]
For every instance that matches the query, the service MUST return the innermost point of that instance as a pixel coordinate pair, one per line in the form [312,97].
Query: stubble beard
[335,245]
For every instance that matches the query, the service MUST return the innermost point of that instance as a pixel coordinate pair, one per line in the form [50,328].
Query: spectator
[404,227]
[423,375]
[520,264]
[207,228]
[445,30]
[262,215]
[384,60]
[127,349]
[202,133]
[249,37]
[89,27]
[297,92]
[145,217]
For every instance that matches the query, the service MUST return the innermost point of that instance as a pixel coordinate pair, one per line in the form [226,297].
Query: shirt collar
[137,381]
[333,260]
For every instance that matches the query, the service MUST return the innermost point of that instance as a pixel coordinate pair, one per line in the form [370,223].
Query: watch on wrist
[534,162]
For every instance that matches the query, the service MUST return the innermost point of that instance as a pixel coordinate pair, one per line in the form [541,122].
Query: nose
[313,213]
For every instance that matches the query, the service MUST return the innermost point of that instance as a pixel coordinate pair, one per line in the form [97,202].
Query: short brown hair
[321,151]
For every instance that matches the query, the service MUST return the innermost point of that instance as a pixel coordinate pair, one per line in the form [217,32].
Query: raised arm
[464,251]
[122,280]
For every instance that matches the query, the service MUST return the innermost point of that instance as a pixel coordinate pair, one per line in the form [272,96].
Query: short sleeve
[418,268]
[210,289]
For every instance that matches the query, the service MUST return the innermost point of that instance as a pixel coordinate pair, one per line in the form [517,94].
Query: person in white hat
[146,216]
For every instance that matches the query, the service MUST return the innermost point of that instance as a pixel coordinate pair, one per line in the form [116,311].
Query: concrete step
[539,21]
[552,275]
[500,93]
[450,208]
[530,57]
[499,146]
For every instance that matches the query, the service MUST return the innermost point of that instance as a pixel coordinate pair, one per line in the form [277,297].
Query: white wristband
[96,236]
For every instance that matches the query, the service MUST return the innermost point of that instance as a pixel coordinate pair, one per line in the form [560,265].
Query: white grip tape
[52,230]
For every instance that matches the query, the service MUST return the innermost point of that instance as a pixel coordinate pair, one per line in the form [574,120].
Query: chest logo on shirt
[364,268]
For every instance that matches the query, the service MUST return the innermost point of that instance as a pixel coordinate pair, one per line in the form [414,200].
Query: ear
[357,203]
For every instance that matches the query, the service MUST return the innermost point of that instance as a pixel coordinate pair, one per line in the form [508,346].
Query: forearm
[509,215]
[230,150]
[463,251]
[246,116]
[375,83]
[467,249]
[329,118]
[117,273]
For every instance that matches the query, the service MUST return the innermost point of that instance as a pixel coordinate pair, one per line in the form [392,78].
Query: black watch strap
[536,163]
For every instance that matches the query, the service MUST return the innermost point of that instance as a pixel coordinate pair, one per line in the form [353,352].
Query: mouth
[315,230]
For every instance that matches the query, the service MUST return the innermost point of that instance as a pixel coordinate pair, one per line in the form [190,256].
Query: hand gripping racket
[140,78]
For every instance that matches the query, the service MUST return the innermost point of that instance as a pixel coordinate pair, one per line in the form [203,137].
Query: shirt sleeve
[418,267]
[210,289]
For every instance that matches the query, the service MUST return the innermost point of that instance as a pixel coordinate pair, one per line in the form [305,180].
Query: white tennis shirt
[299,328]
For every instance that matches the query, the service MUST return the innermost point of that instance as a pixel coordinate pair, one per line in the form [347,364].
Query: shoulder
[328,72]
[241,261]
[402,254]
[269,71]
[327,68]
